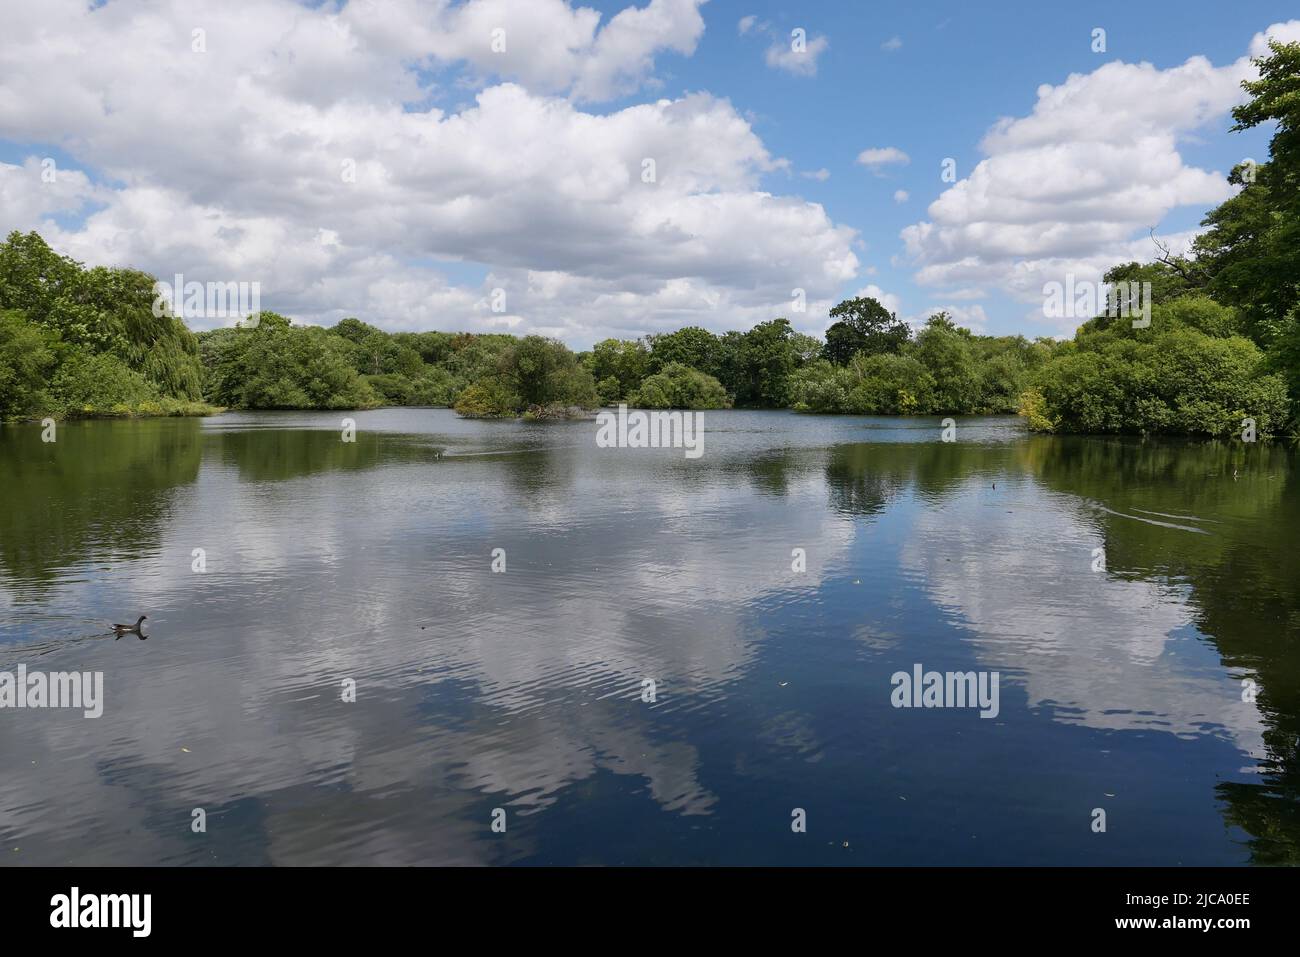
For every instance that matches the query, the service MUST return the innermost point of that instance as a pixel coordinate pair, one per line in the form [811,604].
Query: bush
[821,386]
[26,357]
[890,385]
[677,386]
[1180,382]
[1033,408]
[488,399]
[391,388]
[278,366]
[532,373]
[543,372]
[883,384]
[435,387]
[100,384]
[555,411]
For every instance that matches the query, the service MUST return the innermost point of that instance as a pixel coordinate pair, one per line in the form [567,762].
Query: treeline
[268,363]
[869,363]
[271,364]
[872,365]
[84,342]
[77,341]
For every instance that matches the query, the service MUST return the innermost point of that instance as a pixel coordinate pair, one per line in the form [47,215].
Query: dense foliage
[678,386]
[943,369]
[275,365]
[535,376]
[864,326]
[77,341]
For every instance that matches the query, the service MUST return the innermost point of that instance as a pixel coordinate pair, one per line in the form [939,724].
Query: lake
[652,674]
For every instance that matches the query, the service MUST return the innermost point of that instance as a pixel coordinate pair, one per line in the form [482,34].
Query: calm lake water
[1163,688]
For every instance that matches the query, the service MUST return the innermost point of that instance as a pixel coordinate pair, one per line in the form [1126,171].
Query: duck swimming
[131,629]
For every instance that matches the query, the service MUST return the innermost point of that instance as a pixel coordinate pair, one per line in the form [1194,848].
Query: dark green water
[1120,689]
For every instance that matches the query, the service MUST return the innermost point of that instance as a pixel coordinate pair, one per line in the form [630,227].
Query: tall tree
[864,326]
[1251,252]
[690,346]
[767,355]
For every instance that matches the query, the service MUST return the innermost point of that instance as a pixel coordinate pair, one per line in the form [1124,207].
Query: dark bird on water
[131,629]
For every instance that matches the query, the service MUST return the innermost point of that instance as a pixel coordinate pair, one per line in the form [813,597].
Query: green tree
[864,326]
[99,384]
[767,355]
[276,365]
[26,358]
[689,346]
[883,384]
[678,386]
[1167,282]
[100,310]
[543,372]
[947,351]
[1250,253]
[627,363]
[488,399]
[1182,381]
[890,384]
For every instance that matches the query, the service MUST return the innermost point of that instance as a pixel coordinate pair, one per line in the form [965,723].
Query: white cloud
[1075,186]
[967,293]
[794,53]
[39,189]
[782,55]
[892,44]
[821,175]
[549,46]
[546,199]
[901,196]
[970,317]
[877,158]
[886,299]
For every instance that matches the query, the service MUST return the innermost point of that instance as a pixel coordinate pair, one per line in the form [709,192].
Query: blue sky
[520,171]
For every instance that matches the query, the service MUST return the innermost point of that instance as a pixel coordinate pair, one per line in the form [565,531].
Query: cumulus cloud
[821,175]
[547,45]
[795,53]
[796,56]
[877,159]
[966,293]
[887,299]
[318,167]
[39,189]
[901,196]
[892,44]
[1075,186]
